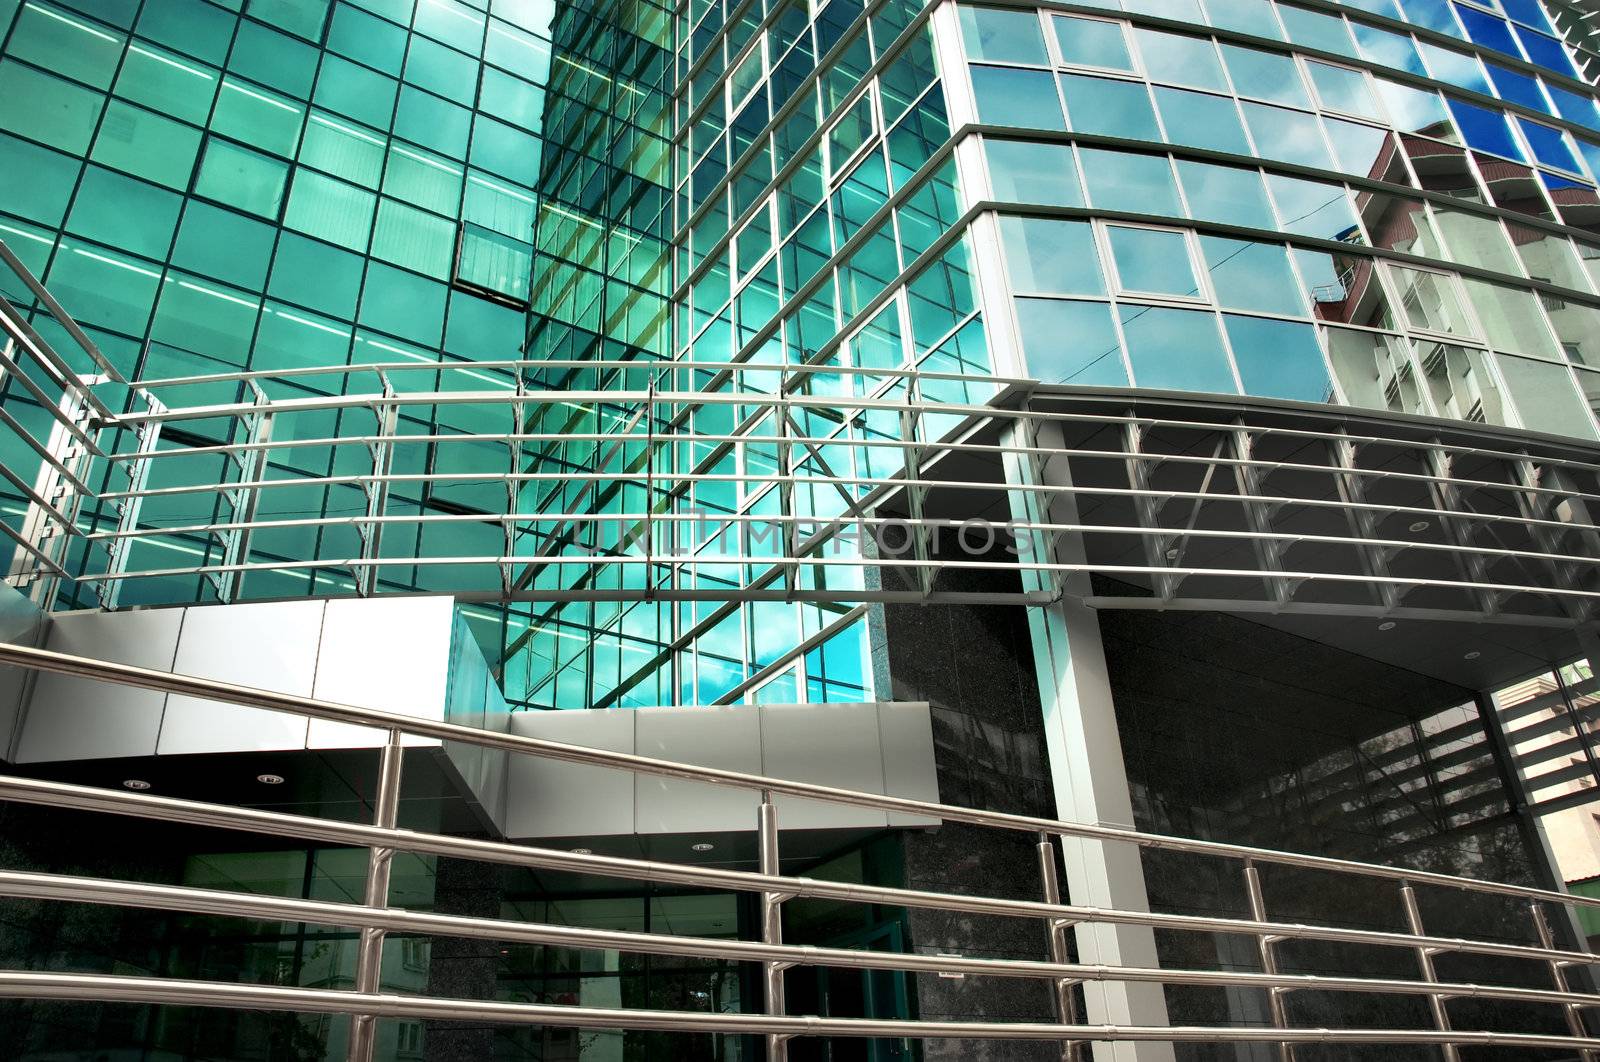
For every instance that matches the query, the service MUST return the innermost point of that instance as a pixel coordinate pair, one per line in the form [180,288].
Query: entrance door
[837,993]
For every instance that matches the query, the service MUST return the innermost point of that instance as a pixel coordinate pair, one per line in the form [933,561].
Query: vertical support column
[1558,977]
[1269,957]
[1066,1005]
[1441,1016]
[1085,752]
[771,924]
[137,470]
[369,953]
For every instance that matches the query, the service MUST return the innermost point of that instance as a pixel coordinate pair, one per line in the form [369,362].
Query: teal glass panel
[147,145]
[262,119]
[505,151]
[330,210]
[1246,275]
[1278,359]
[40,107]
[481,330]
[35,182]
[1119,180]
[1023,171]
[1109,107]
[442,71]
[1178,350]
[1051,257]
[340,149]
[1287,136]
[1317,30]
[1343,89]
[104,288]
[303,18]
[366,39]
[172,86]
[1180,59]
[429,181]
[1023,98]
[403,304]
[121,212]
[1255,17]
[1231,195]
[512,99]
[452,22]
[1199,119]
[189,26]
[274,59]
[413,238]
[1546,397]
[292,338]
[1003,35]
[1414,110]
[356,92]
[432,122]
[202,317]
[1070,342]
[1265,76]
[64,45]
[1360,149]
[1311,208]
[225,246]
[1511,318]
[1092,42]
[242,178]
[316,275]
[1152,261]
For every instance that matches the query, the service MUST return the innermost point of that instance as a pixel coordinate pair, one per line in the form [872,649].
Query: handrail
[213,689]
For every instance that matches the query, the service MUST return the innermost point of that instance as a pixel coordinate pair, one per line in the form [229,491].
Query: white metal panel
[271,646]
[391,653]
[78,719]
[905,730]
[727,737]
[545,798]
[832,744]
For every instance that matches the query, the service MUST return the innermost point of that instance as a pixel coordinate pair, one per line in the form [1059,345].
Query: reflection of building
[1171,416]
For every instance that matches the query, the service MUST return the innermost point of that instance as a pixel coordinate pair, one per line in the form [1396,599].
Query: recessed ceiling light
[138,784]
[270,779]
[583,851]
[702,846]
[1420,525]
[1473,655]
[1386,625]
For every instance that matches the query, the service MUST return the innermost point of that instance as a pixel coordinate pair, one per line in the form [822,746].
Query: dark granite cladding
[459,968]
[974,666]
[1236,731]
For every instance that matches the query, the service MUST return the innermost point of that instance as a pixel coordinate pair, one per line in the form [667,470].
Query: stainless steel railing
[373,918]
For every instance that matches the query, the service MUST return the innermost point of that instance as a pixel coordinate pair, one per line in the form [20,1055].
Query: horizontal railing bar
[62,317]
[66,888]
[665,560]
[179,992]
[707,517]
[211,689]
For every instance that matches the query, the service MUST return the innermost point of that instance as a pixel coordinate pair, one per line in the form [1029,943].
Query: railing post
[1066,1005]
[1441,1016]
[771,924]
[1558,975]
[369,954]
[1269,957]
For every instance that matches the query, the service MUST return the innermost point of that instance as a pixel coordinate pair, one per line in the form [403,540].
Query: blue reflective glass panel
[1069,342]
[1024,98]
[1180,59]
[1023,171]
[1545,51]
[1049,256]
[1392,50]
[1199,119]
[1518,88]
[1549,146]
[1265,76]
[1109,107]
[1455,68]
[1152,261]
[1227,194]
[1120,180]
[1246,275]
[1255,17]
[1287,136]
[1278,359]
[1179,350]
[1092,42]
[1002,35]
[1484,129]
[1491,31]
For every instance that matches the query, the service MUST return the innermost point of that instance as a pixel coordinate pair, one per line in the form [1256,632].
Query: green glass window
[1199,119]
[413,238]
[272,58]
[414,176]
[202,316]
[1070,342]
[1287,135]
[122,212]
[1179,350]
[1265,76]
[342,150]
[442,71]
[1023,171]
[1092,42]
[104,288]
[452,22]
[1110,107]
[1052,257]
[316,275]
[190,26]
[1254,17]
[47,109]
[367,39]
[178,87]
[1278,359]
[511,99]
[1120,180]
[64,45]
[242,178]
[292,338]
[304,18]
[36,182]
[1311,208]
[225,246]
[494,262]
[508,152]
[356,92]
[1252,276]
[262,119]
[1342,89]
[1152,261]
[1024,98]
[1181,59]
[1003,35]
[403,304]
[147,145]
[331,210]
